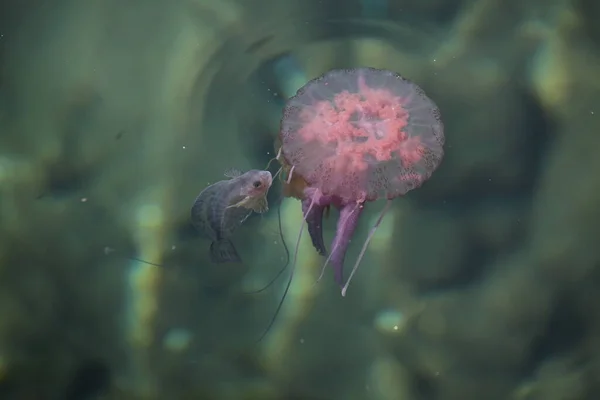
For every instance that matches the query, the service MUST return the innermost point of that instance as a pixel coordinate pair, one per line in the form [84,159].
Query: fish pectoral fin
[260,205]
[223,251]
[242,203]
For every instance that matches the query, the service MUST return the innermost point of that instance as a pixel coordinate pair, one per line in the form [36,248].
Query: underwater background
[482,284]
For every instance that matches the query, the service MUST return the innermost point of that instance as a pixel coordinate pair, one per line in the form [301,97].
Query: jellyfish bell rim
[360,71]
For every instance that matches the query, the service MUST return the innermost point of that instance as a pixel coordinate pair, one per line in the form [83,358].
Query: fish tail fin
[223,251]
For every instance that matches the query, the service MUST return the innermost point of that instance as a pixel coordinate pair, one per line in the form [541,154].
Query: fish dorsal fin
[233,173]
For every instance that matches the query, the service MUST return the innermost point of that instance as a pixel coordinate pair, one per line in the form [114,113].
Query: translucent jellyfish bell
[362,134]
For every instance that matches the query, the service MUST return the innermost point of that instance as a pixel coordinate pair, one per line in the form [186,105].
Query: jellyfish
[351,137]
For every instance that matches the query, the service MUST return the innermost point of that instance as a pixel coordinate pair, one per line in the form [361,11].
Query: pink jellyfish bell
[353,136]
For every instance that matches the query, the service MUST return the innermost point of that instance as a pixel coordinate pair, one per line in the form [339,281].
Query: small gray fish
[222,207]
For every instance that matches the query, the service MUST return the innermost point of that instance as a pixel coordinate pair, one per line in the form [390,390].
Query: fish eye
[256,184]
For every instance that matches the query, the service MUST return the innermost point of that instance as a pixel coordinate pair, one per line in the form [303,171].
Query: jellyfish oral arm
[314,219]
[347,223]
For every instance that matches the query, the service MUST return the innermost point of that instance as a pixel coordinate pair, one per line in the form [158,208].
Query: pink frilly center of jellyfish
[368,123]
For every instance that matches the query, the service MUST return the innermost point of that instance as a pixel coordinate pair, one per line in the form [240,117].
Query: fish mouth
[267,178]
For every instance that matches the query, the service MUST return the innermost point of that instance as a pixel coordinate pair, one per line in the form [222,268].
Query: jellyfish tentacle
[366,244]
[276,158]
[292,270]
[277,173]
[289,179]
[347,223]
